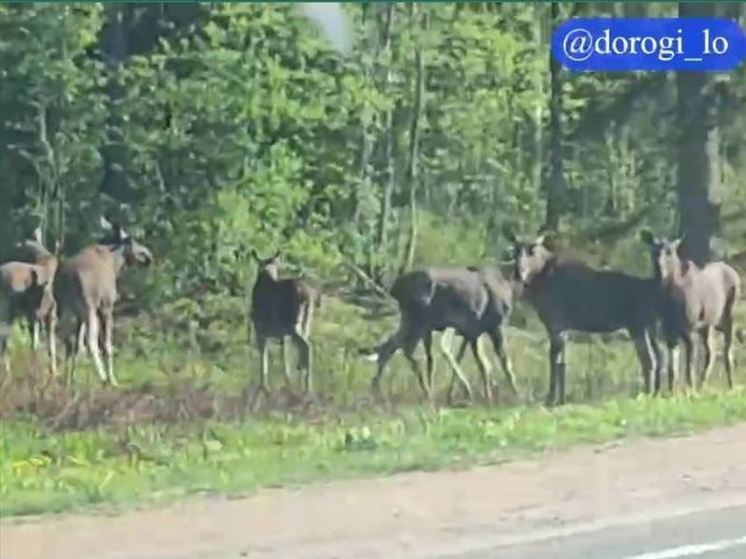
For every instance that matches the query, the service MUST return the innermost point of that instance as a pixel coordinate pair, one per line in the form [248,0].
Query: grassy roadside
[41,471]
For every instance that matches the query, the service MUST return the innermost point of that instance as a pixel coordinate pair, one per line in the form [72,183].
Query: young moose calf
[472,301]
[25,290]
[31,250]
[279,308]
[694,300]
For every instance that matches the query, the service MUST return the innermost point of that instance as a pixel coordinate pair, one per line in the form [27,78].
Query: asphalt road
[711,534]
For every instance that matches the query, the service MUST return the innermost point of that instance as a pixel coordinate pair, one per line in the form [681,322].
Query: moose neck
[675,276]
[117,252]
[266,277]
[32,251]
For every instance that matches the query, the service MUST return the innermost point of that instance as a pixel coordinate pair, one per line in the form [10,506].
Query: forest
[212,129]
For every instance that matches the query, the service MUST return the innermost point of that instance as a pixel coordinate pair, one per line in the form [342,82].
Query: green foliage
[234,126]
[53,113]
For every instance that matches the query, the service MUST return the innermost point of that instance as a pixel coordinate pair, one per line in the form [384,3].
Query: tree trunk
[413,174]
[389,180]
[365,143]
[698,181]
[537,167]
[114,44]
[362,222]
[556,184]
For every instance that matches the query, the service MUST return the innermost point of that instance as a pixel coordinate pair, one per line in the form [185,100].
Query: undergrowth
[179,424]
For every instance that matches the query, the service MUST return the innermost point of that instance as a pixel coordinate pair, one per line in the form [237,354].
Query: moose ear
[37,236]
[646,236]
[676,244]
[106,224]
[547,239]
[120,233]
[255,255]
[277,254]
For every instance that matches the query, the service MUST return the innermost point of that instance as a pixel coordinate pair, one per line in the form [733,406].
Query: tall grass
[179,423]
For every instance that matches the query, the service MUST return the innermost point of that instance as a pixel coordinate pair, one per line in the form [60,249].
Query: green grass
[42,471]
[117,461]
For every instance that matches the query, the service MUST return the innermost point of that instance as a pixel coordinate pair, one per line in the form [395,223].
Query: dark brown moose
[472,301]
[280,308]
[569,295]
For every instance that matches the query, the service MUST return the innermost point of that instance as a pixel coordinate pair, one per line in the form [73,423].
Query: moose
[32,250]
[26,290]
[281,307]
[694,301]
[568,294]
[85,289]
[472,301]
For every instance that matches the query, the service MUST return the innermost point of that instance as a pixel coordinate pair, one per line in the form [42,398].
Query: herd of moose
[75,297]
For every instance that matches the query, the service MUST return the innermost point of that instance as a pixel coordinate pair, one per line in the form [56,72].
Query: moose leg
[92,327]
[385,352]
[33,330]
[304,348]
[709,355]
[673,361]
[556,369]
[498,342]
[646,356]
[456,372]
[69,343]
[658,361]
[446,344]
[261,344]
[728,350]
[73,346]
[108,327]
[688,358]
[427,341]
[484,370]
[410,344]
[561,369]
[285,363]
[51,320]
[81,338]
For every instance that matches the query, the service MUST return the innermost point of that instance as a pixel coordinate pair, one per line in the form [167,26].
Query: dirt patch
[409,515]
[179,400]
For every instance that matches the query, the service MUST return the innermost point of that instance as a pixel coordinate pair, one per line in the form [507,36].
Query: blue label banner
[682,44]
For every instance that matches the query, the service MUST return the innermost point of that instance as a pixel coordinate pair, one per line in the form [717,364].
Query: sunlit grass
[48,466]
[43,471]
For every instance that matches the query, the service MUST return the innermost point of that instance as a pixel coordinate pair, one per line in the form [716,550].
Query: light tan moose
[85,289]
[32,250]
[26,291]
